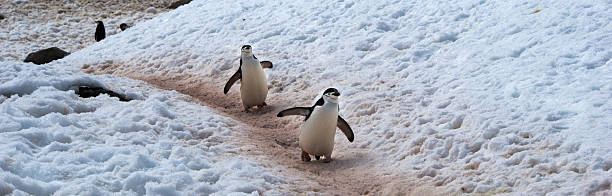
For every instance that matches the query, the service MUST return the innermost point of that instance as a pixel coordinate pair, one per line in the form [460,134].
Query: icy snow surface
[54,142]
[30,26]
[469,96]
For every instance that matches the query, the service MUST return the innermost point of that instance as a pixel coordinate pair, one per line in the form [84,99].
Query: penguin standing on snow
[253,82]
[100,33]
[319,128]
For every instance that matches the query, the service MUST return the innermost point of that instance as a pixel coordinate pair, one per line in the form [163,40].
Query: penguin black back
[100,33]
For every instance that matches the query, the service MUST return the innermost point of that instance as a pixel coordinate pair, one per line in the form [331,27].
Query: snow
[467,96]
[55,142]
[30,26]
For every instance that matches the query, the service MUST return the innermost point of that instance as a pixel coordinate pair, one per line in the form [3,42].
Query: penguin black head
[331,95]
[99,23]
[123,26]
[332,91]
[246,49]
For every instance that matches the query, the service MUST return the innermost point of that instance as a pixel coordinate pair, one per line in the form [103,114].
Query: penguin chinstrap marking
[319,128]
[253,82]
[100,32]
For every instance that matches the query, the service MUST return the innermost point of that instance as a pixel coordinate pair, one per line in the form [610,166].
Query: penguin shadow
[259,117]
[347,161]
[231,103]
[261,110]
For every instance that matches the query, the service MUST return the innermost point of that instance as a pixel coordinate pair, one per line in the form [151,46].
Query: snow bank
[55,142]
[30,26]
[473,96]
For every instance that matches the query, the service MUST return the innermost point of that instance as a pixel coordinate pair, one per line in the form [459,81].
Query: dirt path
[272,141]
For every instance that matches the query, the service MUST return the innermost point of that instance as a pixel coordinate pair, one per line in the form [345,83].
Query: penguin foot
[262,105]
[327,159]
[305,156]
[317,157]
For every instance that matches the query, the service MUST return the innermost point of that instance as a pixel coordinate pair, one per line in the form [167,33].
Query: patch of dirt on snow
[273,141]
[68,25]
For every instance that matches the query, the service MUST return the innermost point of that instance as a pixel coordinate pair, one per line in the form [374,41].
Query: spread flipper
[237,76]
[302,111]
[346,129]
[266,64]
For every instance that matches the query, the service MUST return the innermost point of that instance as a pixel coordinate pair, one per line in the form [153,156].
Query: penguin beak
[336,94]
[246,49]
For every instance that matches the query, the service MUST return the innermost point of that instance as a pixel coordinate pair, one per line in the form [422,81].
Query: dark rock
[92,91]
[124,26]
[45,56]
[2,17]
[178,3]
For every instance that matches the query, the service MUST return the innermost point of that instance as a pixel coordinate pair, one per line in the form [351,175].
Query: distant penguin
[100,33]
[319,128]
[123,26]
[253,82]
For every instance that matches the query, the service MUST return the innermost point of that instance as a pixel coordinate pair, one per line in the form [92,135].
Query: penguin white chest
[253,85]
[318,132]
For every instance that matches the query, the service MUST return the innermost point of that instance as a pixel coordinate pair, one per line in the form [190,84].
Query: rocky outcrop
[178,3]
[93,91]
[45,56]
[124,26]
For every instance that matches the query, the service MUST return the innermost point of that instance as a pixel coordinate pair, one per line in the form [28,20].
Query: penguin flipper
[320,102]
[302,111]
[346,129]
[266,64]
[237,76]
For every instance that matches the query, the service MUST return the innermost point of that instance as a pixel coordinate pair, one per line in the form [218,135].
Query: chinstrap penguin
[253,82]
[100,33]
[319,128]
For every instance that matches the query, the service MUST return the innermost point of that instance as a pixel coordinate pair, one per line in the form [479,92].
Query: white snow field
[30,26]
[459,97]
[56,143]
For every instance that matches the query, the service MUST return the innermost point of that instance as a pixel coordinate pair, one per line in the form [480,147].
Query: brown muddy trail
[272,141]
